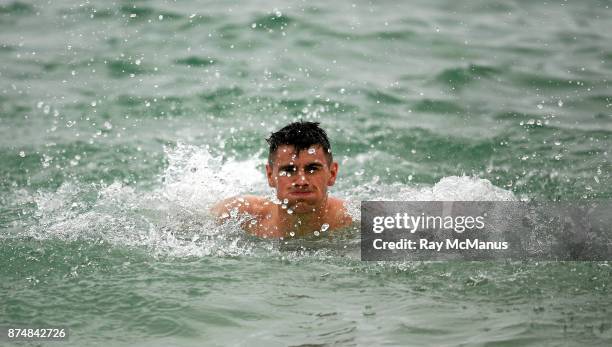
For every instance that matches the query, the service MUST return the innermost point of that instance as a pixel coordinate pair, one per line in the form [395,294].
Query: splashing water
[173,218]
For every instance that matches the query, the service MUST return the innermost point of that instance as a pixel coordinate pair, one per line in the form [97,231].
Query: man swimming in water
[300,168]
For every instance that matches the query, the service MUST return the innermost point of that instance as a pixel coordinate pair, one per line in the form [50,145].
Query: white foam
[171,219]
[196,179]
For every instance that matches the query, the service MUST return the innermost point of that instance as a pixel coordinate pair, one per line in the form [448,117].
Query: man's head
[300,166]
[301,135]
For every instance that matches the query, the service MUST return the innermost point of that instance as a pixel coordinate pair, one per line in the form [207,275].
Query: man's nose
[301,179]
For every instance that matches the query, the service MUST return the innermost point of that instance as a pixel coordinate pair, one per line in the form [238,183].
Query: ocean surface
[122,122]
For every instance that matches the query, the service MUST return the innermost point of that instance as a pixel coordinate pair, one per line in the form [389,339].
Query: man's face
[301,178]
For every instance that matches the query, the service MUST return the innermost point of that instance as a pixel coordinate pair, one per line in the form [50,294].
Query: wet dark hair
[301,135]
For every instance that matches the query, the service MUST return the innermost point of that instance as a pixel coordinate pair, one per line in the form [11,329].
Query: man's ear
[333,171]
[270,176]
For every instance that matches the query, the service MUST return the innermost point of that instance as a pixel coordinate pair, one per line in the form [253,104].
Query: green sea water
[121,122]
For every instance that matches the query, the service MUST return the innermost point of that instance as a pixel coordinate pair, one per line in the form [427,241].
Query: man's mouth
[301,193]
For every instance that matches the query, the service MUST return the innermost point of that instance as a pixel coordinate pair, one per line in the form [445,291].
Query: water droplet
[282,173]
[108,125]
[283,206]
[137,62]
[311,151]
[290,211]
[560,103]
[316,233]
[161,17]
[22,154]
[324,227]
[285,201]
[254,25]
[540,106]
[292,234]
[368,311]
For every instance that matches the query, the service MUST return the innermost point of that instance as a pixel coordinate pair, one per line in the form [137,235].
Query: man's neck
[302,224]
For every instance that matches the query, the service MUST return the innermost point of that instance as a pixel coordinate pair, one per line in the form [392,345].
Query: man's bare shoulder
[339,213]
[251,204]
